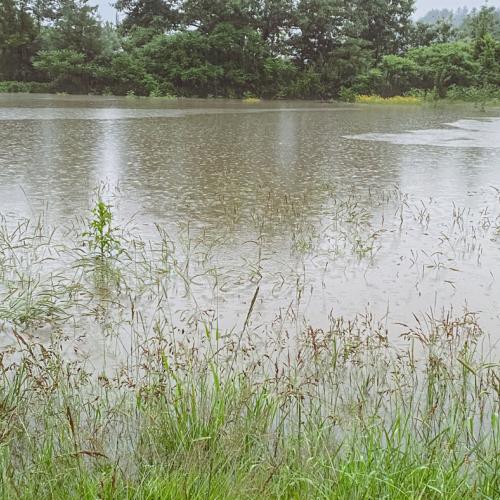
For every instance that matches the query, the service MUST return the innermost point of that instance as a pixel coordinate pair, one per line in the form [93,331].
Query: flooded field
[331,210]
[213,299]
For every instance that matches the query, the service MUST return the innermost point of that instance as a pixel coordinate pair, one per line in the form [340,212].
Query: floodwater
[331,210]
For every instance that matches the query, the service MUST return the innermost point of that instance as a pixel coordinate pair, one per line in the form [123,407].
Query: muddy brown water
[330,209]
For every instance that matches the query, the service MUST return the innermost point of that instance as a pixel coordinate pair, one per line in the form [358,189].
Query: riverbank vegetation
[478,95]
[109,390]
[269,49]
[376,99]
[346,416]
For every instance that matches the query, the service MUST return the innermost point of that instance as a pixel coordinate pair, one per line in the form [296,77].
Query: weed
[101,234]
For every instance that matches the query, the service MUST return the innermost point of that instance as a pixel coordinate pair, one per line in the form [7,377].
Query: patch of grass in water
[195,412]
[375,99]
[249,98]
[338,420]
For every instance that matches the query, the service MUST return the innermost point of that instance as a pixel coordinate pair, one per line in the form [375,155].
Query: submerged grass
[192,411]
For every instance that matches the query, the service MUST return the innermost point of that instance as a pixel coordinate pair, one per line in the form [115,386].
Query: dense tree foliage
[269,48]
[18,39]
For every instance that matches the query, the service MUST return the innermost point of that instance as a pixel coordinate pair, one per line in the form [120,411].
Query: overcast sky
[108,13]
[424,6]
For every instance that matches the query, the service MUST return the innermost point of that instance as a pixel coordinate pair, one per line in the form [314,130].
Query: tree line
[235,48]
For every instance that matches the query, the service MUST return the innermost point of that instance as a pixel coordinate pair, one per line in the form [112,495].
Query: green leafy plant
[347,95]
[101,234]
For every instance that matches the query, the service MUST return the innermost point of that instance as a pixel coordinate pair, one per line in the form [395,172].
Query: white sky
[423,6]
[108,13]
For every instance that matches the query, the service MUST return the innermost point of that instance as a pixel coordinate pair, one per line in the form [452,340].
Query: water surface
[388,210]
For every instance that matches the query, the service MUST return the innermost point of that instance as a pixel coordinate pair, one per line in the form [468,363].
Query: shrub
[347,95]
[487,93]
[27,87]
[445,64]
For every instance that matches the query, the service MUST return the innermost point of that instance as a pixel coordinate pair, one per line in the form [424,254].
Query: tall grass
[175,407]
[341,419]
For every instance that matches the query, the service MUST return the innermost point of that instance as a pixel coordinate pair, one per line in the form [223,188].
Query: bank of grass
[211,431]
[195,412]
[479,96]
[349,426]
[251,100]
[375,99]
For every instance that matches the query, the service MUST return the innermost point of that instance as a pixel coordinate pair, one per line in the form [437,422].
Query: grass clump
[486,95]
[375,99]
[249,98]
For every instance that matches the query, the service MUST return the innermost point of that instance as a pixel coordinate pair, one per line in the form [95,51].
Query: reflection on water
[483,133]
[290,177]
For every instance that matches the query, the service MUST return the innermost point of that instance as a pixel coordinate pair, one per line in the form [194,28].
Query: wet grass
[479,97]
[251,100]
[111,390]
[375,99]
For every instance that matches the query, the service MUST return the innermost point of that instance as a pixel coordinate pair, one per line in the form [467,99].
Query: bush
[307,85]
[445,64]
[25,87]
[277,75]
[68,69]
[399,74]
[347,95]
[14,87]
[395,75]
[368,83]
[487,93]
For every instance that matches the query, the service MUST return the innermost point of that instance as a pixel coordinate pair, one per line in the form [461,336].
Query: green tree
[275,19]
[384,24]
[76,27]
[445,64]
[321,28]
[18,40]
[482,22]
[300,48]
[74,46]
[278,75]
[158,15]
[423,34]
[124,73]
[326,47]
[206,15]
[181,59]
[226,61]
[399,75]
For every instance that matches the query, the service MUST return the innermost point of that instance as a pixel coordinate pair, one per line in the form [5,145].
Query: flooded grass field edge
[339,412]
